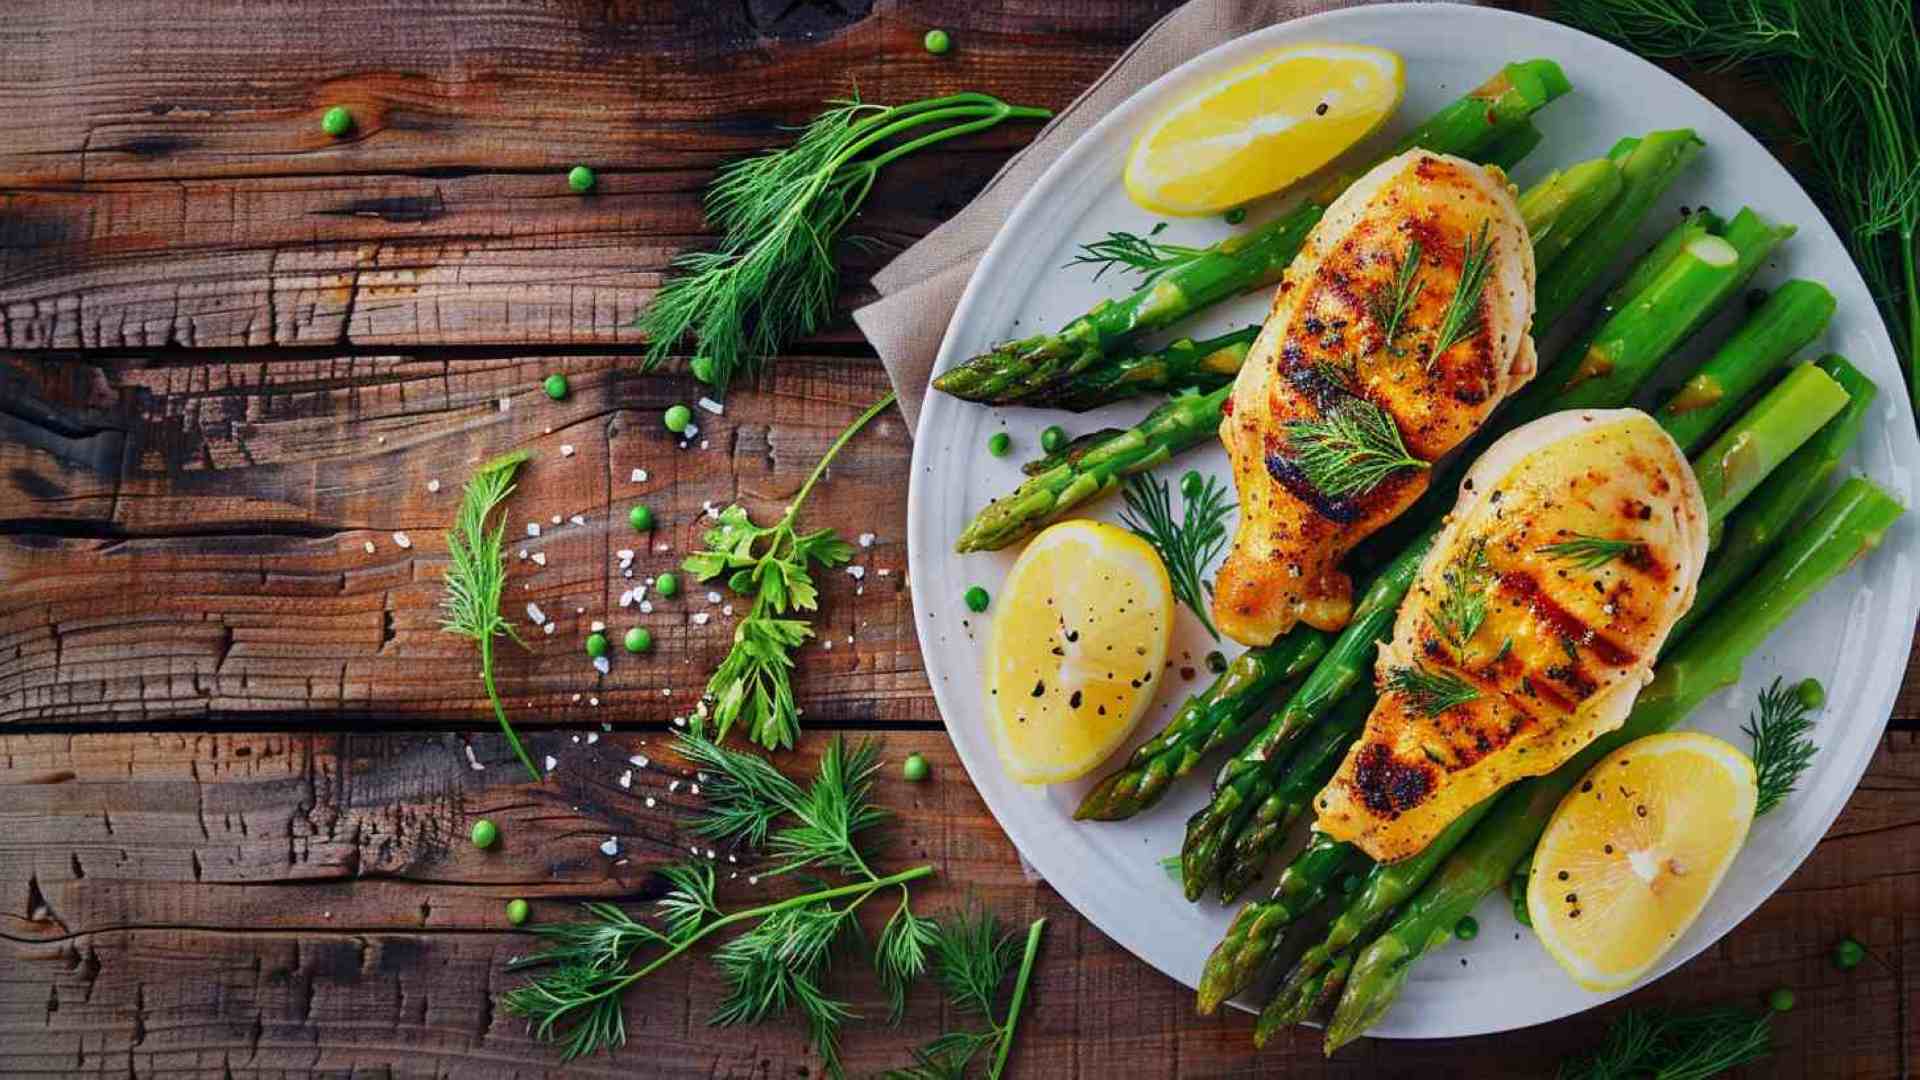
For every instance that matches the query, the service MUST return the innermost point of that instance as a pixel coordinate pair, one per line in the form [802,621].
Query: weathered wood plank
[172,189]
[309,902]
[191,540]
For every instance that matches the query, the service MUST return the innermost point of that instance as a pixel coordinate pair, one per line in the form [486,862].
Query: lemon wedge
[1077,647]
[1255,128]
[1634,852]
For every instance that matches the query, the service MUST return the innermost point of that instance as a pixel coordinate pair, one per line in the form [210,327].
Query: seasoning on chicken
[1400,326]
[1536,618]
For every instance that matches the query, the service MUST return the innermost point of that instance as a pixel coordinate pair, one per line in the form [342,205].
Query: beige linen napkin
[920,288]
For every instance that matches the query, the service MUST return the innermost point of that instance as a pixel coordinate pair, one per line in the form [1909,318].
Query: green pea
[977,599]
[702,368]
[596,645]
[1052,439]
[1467,928]
[518,910]
[640,517]
[1848,954]
[1811,693]
[485,833]
[1192,484]
[336,121]
[1236,215]
[639,639]
[1217,662]
[580,178]
[666,585]
[1781,1000]
[555,385]
[999,444]
[937,42]
[914,768]
[678,418]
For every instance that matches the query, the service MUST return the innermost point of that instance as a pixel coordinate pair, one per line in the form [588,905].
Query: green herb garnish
[771,565]
[1350,450]
[780,960]
[773,277]
[1389,306]
[1589,552]
[1674,1046]
[1148,257]
[1463,598]
[972,957]
[1781,749]
[477,572]
[1186,546]
[1427,691]
[1462,316]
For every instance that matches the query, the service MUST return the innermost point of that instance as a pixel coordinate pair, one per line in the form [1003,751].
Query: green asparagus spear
[1202,722]
[1306,773]
[1018,370]
[1580,194]
[1737,461]
[1777,503]
[1648,170]
[1512,148]
[1184,365]
[1254,936]
[1791,317]
[1689,289]
[1849,525]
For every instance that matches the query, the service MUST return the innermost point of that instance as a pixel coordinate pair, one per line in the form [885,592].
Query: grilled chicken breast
[1575,545]
[1398,328]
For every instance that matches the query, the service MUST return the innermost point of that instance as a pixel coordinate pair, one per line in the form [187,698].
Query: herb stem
[1019,998]
[500,710]
[833,450]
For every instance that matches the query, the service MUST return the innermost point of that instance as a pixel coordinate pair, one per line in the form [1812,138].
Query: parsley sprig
[780,960]
[1186,546]
[1781,749]
[477,572]
[773,565]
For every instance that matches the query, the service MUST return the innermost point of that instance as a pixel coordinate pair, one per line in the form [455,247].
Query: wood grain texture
[310,903]
[191,540]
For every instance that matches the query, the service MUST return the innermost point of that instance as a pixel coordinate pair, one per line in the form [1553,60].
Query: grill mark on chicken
[1387,785]
[1522,587]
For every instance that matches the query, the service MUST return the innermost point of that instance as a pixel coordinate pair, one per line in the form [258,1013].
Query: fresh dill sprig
[1462,607]
[1849,73]
[1390,306]
[1186,546]
[971,958]
[1462,317]
[1427,691]
[1590,552]
[772,277]
[1350,449]
[780,960]
[1674,1046]
[477,572]
[1781,749]
[773,566]
[1148,257]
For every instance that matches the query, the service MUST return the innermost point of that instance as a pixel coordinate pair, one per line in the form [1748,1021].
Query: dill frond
[477,572]
[1349,450]
[1187,546]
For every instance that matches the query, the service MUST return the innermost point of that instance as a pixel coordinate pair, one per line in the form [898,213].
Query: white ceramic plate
[1854,637]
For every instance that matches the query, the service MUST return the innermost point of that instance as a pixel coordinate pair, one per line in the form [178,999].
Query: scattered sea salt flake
[650,802]
[534,613]
[556,519]
[679,721]
[594,701]
[506,403]
[884,572]
[611,847]
[692,430]
[673,787]
[523,554]
[646,607]
[578,519]
[712,511]
[596,627]
[709,853]
[700,618]
[828,645]
[641,760]
[533,528]
[712,406]
[576,738]
[550,628]
[694,788]
[626,779]
[662,547]
[626,598]
[551,762]
[566,449]
[369,546]
[625,555]
[539,558]
[592,737]
[601,665]
[866,539]
[433,486]
[403,540]
[856,572]
[704,444]
[474,761]
[576,697]
[639,476]
[728,610]
[713,598]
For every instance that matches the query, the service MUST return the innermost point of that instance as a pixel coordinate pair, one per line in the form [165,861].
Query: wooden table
[242,356]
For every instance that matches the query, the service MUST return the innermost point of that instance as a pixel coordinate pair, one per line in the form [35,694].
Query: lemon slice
[1078,643]
[1254,129]
[1635,851]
